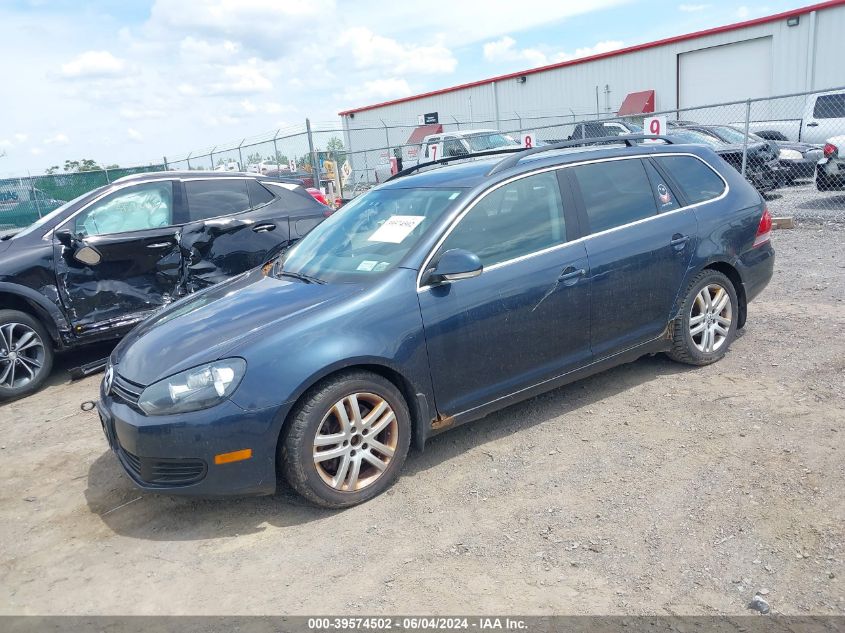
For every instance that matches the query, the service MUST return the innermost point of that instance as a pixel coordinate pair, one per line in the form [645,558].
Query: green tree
[335,148]
[51,170]
[280,159]
[86,164]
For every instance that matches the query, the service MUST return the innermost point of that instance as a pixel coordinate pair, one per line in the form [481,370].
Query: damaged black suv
[96,266]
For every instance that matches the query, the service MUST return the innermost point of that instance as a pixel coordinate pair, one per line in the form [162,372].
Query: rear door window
[216,197]
[829,107]
[697,181]
[666,200]
[614,193]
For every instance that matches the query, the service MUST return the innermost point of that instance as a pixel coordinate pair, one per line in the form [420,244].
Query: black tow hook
[88,405]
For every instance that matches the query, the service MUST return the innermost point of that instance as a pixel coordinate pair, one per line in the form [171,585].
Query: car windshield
[492,140]
[370,235]
[731,135]
[54,213]
[698,138]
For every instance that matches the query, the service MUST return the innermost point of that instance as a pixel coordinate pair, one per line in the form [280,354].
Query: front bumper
[793,169]
[175,454]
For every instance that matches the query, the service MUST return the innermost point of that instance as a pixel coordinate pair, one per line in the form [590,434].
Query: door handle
[263,228]
[160,245]
[812,124]
[679,241]
[569,274]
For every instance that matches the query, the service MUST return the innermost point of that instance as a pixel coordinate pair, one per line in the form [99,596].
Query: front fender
[381,327]
[48,310]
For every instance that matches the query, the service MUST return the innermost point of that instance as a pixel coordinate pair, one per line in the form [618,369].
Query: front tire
[347,440]
[708,321]
[26,354]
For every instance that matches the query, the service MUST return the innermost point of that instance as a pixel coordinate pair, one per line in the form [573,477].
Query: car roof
[471,173]
[195,173]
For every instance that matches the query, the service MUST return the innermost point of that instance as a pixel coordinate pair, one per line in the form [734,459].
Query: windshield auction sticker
[396,228]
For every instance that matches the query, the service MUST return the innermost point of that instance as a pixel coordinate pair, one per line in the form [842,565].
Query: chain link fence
[24,200]
[778,143]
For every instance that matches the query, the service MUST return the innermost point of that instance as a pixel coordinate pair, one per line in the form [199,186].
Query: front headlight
[193,389]
[790,154]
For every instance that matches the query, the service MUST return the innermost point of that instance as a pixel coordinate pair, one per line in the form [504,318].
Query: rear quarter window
[258,195]
[697,181]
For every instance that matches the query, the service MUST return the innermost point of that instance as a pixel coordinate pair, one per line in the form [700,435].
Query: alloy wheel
[355,442]
[21,355]
[710,318]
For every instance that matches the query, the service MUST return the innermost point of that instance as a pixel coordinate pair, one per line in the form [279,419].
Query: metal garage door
[730,72]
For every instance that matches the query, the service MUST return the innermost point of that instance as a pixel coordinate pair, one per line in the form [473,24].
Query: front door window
[142,207]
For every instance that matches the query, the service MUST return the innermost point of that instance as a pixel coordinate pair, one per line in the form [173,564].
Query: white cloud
[693,8]
[195,49]
[504,50]
[134,135]
[459,21]
[16,139]
[369,50]
[35,151]
[245,64]
[58,139]
[271,27]
[390,88]
[93,64]
[744,12]
[587,51]
[134,114]
[241,79]
[267,107]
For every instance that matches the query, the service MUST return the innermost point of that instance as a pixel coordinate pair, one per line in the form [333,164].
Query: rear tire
[347,440]
[707,325]
[26,354]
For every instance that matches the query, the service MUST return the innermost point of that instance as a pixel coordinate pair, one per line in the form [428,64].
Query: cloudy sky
[127,82]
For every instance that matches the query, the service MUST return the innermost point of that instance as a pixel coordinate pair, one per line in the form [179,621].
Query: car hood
[211,324]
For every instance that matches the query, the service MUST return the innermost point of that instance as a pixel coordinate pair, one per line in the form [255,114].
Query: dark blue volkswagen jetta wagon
[430,301]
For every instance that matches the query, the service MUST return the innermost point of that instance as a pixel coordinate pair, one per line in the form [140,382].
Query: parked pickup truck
[824,116]
[463,142]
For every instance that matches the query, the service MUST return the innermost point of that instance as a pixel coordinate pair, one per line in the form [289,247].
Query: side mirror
[65,237]
[453,265]
[88,256]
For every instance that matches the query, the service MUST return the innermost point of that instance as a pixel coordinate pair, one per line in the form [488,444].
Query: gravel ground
[805,203]
[653,488]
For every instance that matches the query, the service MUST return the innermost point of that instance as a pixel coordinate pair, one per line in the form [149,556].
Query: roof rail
[628,139]
[443,161]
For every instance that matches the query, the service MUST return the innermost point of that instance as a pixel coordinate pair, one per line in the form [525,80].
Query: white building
[794,51]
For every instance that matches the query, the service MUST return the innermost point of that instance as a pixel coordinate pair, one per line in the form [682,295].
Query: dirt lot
[652,488]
